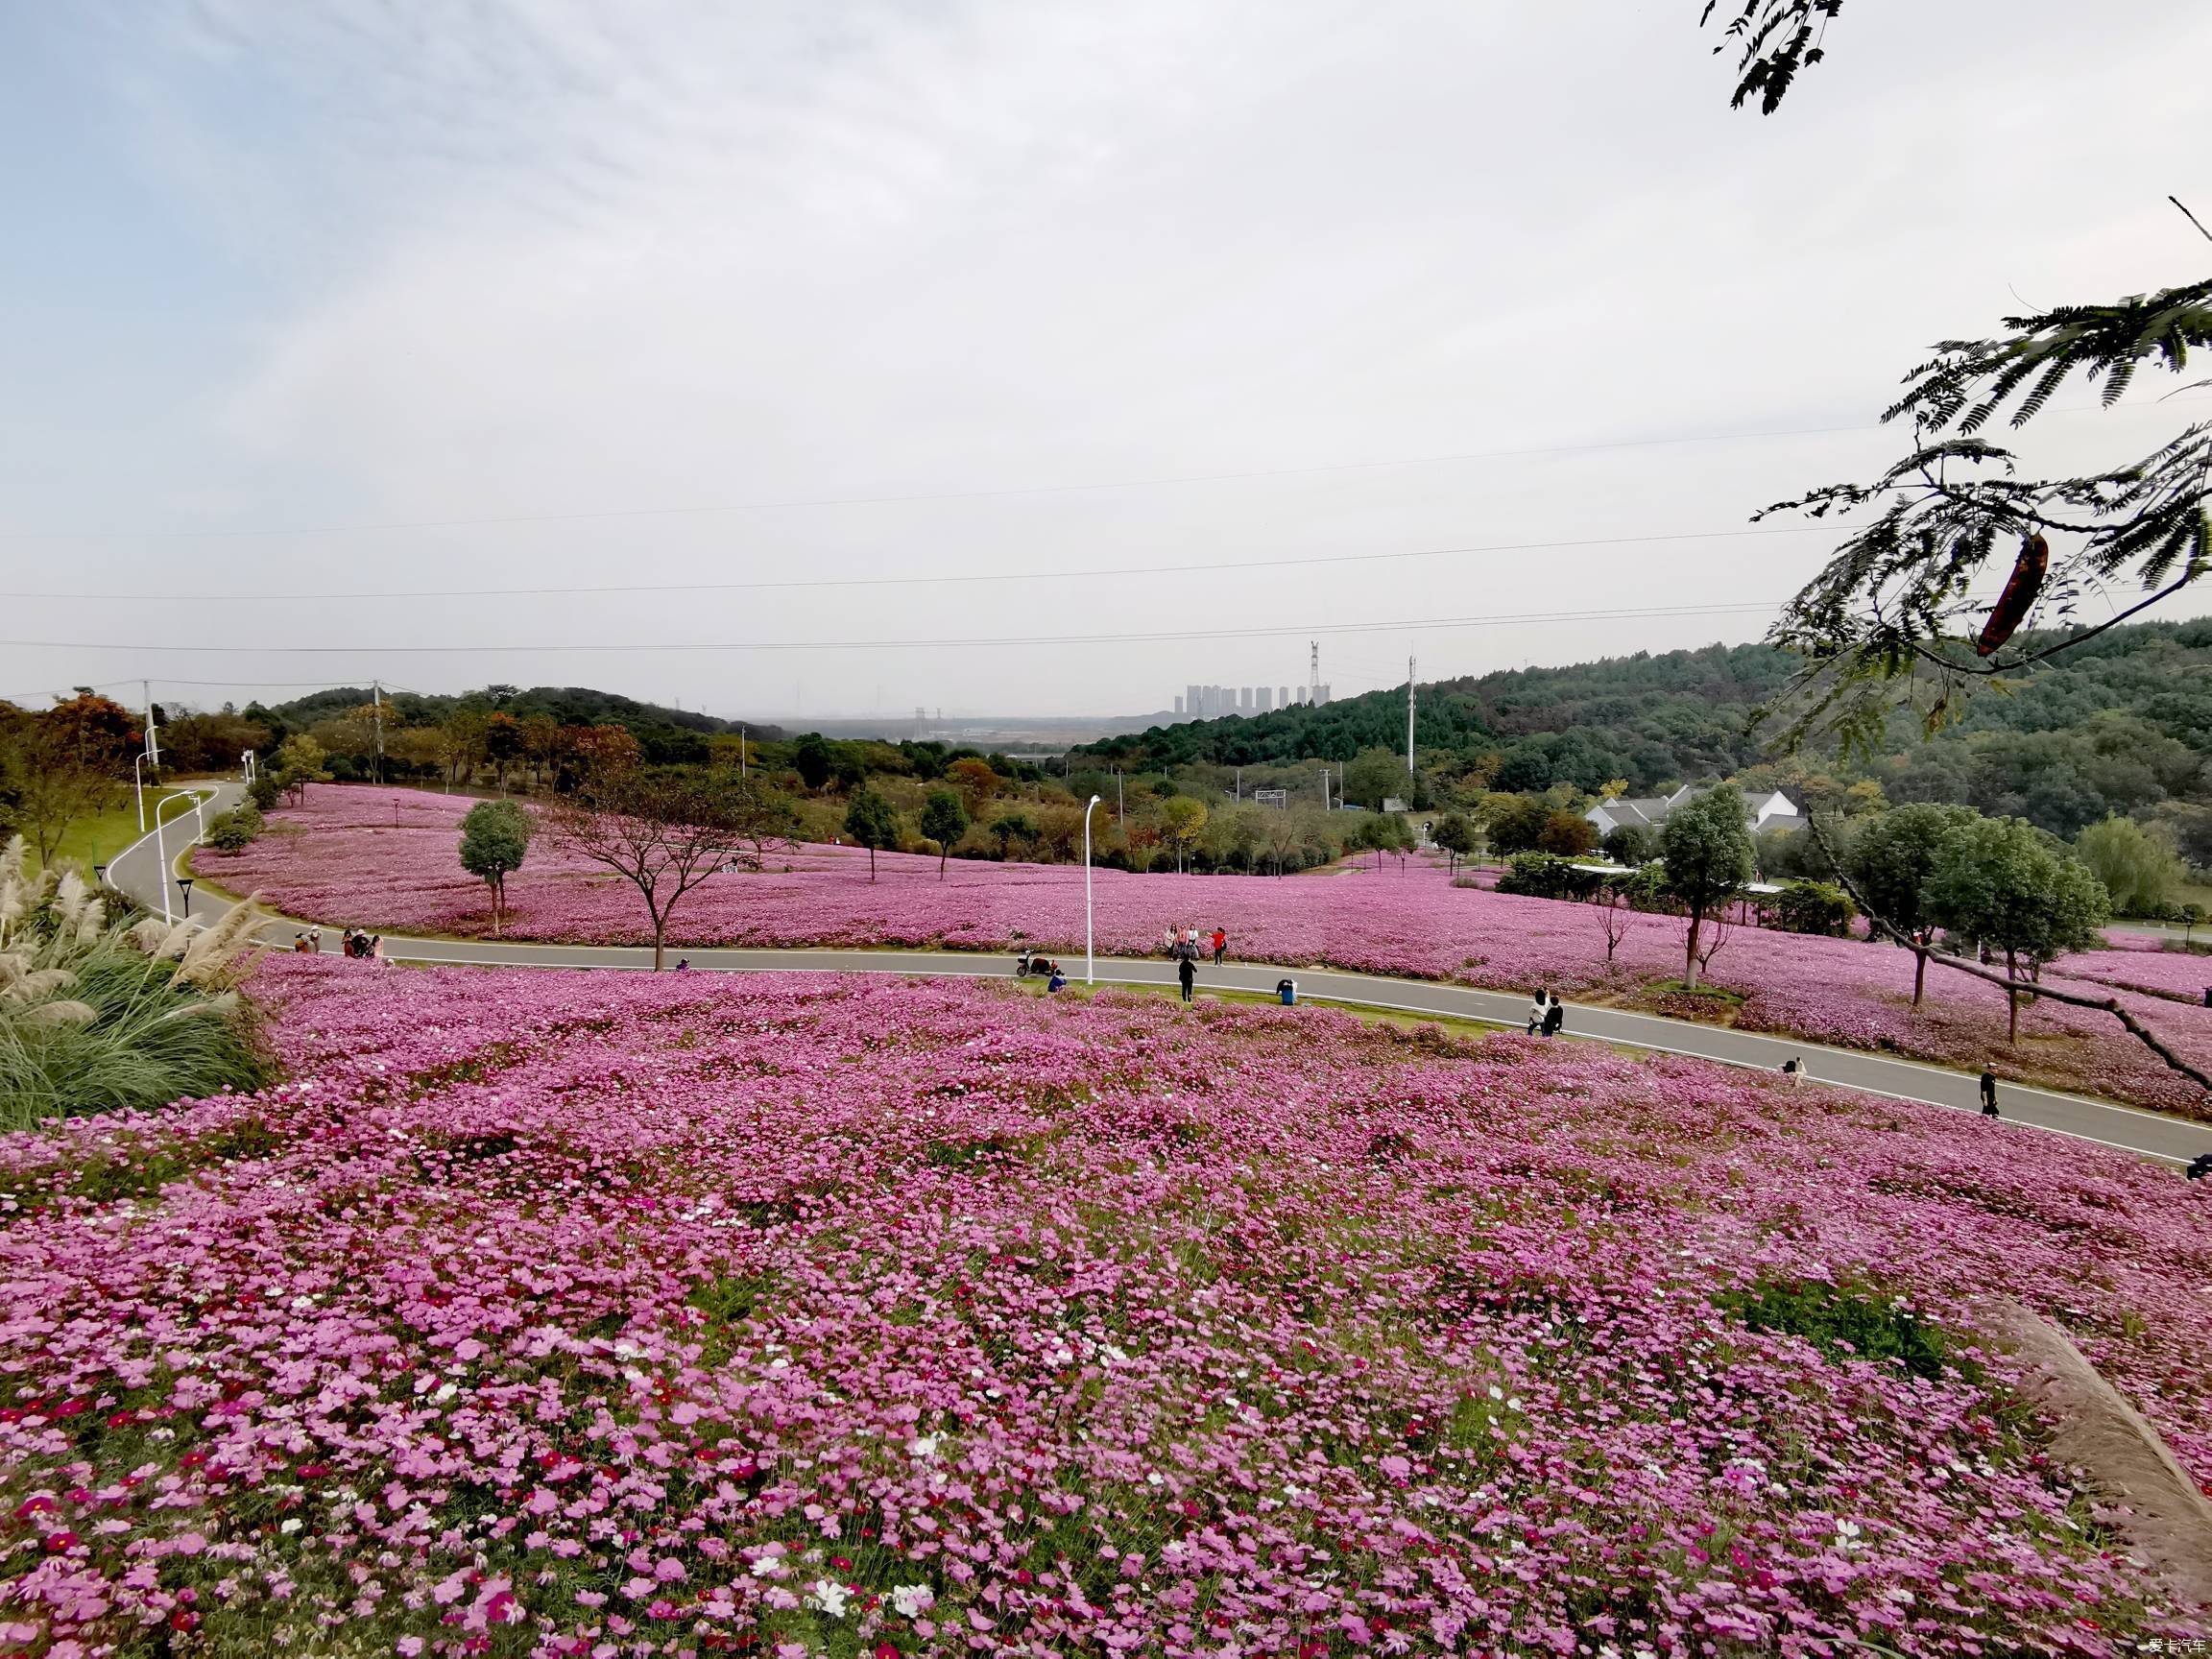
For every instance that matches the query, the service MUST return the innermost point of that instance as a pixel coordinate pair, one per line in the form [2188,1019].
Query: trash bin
[1288,990]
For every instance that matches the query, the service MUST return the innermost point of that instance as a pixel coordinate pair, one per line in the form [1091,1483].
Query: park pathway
[138,872]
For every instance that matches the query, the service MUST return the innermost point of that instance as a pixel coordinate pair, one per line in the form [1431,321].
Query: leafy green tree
[1706,845]
[300,763]
[812,759]
[1815,908]
[264,792]
[943,821]
[871,823]
[2004,885]
[2138,866]
[1374,774]
[494,840]
[1012,826]
[1891,860]
[1628,844]
[1454,832]
[1182,823]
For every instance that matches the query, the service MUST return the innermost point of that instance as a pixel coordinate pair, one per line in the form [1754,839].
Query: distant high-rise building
[1320,693]
[1301,693]
[1244,701]
[1282,697]
[1192,704]
[1178,706]
[1263,700]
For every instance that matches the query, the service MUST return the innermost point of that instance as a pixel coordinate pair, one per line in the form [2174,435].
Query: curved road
[137,871]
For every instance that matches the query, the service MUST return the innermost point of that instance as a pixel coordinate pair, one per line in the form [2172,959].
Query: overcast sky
[390,298]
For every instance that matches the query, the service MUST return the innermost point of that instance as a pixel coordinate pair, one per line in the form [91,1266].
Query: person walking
[1539,1008]
[2201,1167]
[1555,1017]
[315,941]
[1220,945]
[1989,1089]
[1793,1073]
[1186,972]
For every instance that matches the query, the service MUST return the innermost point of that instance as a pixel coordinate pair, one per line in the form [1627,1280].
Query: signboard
[1272,797]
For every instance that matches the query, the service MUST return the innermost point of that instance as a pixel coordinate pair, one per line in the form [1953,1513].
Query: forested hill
[2120,723]
[566,704]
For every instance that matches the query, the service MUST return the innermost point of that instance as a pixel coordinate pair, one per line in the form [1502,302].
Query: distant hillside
[569,705]
[2123,724]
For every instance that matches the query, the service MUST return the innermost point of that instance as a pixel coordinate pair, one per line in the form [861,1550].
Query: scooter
[1030,962]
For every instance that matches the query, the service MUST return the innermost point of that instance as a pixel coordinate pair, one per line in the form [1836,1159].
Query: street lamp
[161,844]
[138,788]
[184,886]
[1090,958]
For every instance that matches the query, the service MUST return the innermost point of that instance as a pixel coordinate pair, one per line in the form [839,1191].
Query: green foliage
[943,821]
[236,831]
[1848,1323]
[2139,866]
[494,840]
[1706,849]
[1893,856]
[1375,775]
[1814,907]
[299,762]
[264,792]
[1454,832]
[1629,844]
[90,1022]
[1546,875]
[2004,885]
[1516,822]
[1019,827]
[812,760]
[1182,821]
[871,823]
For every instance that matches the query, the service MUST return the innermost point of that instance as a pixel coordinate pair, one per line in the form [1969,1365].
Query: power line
[888,500]
[1492,621]
[1114,571]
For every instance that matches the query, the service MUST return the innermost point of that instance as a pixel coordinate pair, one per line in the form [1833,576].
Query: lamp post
[161,846]
[184,886]
[1089,957]
[139,787]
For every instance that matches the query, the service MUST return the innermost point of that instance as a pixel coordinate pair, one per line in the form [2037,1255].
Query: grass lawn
[95,840]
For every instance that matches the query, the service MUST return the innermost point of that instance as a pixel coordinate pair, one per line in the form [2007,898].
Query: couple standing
[1546,1014]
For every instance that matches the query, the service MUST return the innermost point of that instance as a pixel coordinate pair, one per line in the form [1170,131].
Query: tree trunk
[2011,999]
[942,854]
[871,864]
[659,955]
[1690,956]
[1920,972]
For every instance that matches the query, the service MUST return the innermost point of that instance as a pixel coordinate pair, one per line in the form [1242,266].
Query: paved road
[2124,1127]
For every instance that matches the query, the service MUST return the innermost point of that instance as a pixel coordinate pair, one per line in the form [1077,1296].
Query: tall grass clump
[98,1017]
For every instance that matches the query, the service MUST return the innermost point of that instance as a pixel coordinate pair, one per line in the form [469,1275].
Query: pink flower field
[384,858]
[556,1313]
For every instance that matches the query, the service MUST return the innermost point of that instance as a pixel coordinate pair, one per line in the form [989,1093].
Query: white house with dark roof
[1771,811]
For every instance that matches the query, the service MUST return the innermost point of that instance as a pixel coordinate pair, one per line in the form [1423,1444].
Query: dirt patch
[2150,1497]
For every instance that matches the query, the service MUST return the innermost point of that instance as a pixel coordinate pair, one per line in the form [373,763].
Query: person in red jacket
[1220,944]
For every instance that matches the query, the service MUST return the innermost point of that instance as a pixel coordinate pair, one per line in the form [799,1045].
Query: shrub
[1542,876]
[236,831]
[1814,907]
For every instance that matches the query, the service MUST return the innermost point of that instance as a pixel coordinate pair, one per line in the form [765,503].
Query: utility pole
[153,742]
[1240,785]
[1121,814]
[376,692]
[740,751]
[1408,727]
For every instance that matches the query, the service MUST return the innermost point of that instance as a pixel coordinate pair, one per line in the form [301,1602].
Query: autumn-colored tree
[93,731]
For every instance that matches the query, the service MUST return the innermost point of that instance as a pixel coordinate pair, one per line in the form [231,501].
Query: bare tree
[1615,903]
[666,833]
